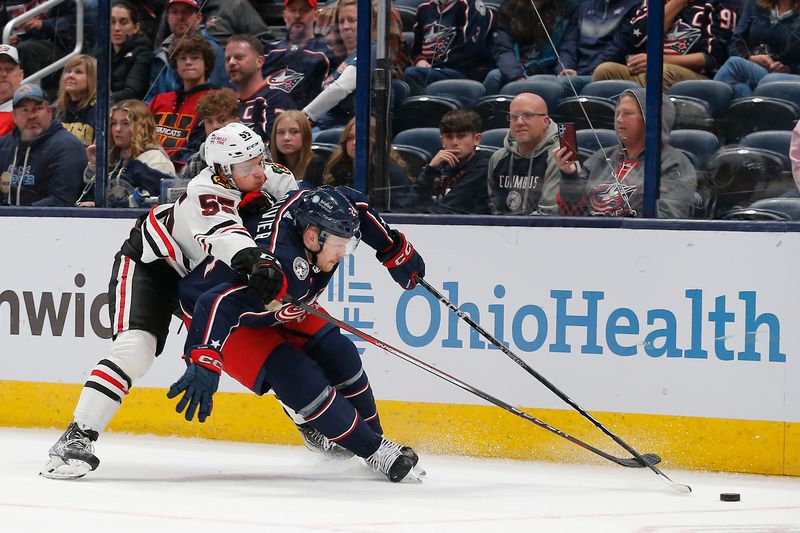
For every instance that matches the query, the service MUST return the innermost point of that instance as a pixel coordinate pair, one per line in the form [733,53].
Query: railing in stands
[36,76]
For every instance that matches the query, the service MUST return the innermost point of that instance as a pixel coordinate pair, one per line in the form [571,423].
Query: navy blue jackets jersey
[275,232]
[456,36]
[299,70]
[259,110]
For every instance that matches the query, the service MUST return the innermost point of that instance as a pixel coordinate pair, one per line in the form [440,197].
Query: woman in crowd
[131,54]
[136,161]
[290,145]
[76,100]
[334,106]
[765,46]
[521,45]
[340,167]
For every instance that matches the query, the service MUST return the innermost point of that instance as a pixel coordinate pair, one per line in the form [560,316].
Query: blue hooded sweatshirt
[50,168]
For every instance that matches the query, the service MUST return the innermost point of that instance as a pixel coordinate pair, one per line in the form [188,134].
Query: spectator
[695,44]
[184,19]
[138,163]
[150,14]
[131,53]
[452,40]
[596,22]
[177,124]
[216,109]
[340,167]
[11,77]
[764,46]
[455,179]
[522,46]
[45,38]
[76,101]
[259,104]
[611,181]
[298,64]
[794,155]
[335,105]
[523,178]
[290,146]
[40,160]
[226,18]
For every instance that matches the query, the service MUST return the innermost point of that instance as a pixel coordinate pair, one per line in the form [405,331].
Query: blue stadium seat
[757,113]
[590,141]
[739,176]
[324,150]
[422,112]
[494,137]
[494,111]
[599,110]
[700,104]
[550,91]
[329,136]
[427,139]
[783,90]
[610,89]
[774,141]
[415,158]
[779,209]
[701,144]
[467,92]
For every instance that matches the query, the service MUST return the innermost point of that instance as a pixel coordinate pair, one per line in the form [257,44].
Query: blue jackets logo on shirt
[284,80]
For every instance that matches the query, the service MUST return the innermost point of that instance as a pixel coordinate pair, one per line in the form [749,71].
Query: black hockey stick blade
[626,462]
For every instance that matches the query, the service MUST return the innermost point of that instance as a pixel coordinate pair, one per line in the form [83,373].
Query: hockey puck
[730,497]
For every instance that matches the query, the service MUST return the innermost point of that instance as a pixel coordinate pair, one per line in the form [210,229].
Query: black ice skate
[72,456]
[319,443]
[395,461]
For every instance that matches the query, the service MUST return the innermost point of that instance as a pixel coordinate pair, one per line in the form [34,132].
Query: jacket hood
[667,110]
[550,136]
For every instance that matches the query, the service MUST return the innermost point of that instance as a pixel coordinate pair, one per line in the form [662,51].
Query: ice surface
[151,484]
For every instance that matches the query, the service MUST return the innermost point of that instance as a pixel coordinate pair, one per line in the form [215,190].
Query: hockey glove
[254,204]
[403,261]
[199,382]
[262,271]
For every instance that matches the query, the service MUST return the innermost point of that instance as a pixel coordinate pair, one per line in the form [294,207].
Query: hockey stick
[638,457]
[630,463]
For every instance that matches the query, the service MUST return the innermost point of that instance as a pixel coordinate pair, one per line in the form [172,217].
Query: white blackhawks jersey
[205,221]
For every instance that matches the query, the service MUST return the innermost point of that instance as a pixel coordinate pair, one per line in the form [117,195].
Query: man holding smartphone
[523,177]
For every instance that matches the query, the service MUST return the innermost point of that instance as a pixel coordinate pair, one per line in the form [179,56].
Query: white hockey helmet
[231,144]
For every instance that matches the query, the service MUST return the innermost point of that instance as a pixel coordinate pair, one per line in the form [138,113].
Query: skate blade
[415,475]
[58,468]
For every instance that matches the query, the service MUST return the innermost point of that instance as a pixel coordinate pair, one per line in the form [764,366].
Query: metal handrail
[36,76]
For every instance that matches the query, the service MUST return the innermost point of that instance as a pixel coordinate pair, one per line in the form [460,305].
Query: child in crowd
[215,109]
[455,179]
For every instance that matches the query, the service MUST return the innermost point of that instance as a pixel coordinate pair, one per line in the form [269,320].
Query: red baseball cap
[312,3]
[192,3]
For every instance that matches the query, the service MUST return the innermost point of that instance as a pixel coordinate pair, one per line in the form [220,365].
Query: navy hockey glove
[199,382]
[403,261]
[262,271]
[254,204]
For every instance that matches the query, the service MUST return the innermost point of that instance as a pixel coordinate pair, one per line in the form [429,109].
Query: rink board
[682,341]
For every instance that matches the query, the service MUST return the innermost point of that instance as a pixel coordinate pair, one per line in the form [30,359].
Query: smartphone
[567,138]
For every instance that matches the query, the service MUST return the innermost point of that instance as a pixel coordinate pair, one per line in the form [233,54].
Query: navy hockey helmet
[330,211]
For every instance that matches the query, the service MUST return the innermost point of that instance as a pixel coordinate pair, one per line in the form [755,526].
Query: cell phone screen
[567,138]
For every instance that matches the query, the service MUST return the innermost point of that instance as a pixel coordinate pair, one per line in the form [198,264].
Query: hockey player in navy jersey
[268,344]
[164,245]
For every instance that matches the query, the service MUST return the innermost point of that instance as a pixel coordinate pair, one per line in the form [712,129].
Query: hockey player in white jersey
[163,246]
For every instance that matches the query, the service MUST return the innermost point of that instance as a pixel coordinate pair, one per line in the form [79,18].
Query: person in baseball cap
[28,91]
[9,52]
[11,76]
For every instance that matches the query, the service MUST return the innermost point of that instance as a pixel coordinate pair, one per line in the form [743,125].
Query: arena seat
[422,112]
[550,91]
[599,110]
[324,150]
[493,111]
[700,104]
[494,137]
[610,89]
[414,157]
[757,113]
[466,92]
[774,141]
[782,90]
[702,144]
[329,136]
[427,139]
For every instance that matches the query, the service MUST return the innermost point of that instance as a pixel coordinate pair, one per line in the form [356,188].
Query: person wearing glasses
[523,177]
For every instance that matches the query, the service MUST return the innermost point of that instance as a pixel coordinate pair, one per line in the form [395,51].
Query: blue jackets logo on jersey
[284,80]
